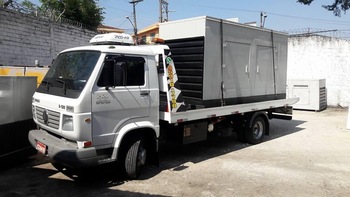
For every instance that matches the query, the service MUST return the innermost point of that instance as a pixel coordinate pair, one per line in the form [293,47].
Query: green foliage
[9,4]
[86,12]
[24,6]
[28,7]
[337,7]
[306,2]
[6,3]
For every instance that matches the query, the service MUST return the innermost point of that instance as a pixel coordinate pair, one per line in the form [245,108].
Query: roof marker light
[158,40]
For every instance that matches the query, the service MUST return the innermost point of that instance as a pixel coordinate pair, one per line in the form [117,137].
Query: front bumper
[65,151]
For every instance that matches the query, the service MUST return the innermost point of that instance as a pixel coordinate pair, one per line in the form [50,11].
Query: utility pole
[163,8]
[160,11]
[166,5]
[134,3]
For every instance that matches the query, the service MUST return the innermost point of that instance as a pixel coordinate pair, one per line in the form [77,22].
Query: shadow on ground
[29,180]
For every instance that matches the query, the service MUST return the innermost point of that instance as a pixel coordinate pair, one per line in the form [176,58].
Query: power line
[125,19]
[311,19]
[143,18]
[275,14]
[114,8]
[221,8]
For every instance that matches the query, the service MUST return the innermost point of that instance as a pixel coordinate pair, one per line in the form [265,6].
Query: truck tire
[135,157]
[255,132]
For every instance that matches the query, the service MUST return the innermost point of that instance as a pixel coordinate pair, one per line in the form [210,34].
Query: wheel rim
[258,130]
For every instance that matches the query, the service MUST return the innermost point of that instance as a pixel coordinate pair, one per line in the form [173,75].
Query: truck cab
[93,97]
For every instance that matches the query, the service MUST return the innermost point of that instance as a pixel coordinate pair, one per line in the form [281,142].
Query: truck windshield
[69,73]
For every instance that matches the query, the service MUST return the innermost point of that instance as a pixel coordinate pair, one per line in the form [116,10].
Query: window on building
[152,35]
[143,39]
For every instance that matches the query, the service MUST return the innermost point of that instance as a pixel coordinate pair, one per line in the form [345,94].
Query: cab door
[121,96]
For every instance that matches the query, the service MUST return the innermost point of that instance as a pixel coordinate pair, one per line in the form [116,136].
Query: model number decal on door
[62,106]
[102,99]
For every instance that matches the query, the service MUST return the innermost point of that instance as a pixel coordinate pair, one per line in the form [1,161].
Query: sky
[282,15]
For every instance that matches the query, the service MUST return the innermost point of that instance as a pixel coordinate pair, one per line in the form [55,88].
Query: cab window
[122,71]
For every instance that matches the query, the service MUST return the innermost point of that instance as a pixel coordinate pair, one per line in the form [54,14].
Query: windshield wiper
[64,85]
[47,85]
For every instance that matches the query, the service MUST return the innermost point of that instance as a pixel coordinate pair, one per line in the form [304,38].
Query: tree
[337,7]
[7,3]
[24,6]
[28,7]
[84,11]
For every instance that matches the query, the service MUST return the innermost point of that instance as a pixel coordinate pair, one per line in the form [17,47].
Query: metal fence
[309,32]
[62,20]
[49,15]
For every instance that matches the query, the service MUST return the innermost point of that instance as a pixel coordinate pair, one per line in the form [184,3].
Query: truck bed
[197,114]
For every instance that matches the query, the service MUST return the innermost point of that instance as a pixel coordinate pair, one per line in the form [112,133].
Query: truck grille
[48,117]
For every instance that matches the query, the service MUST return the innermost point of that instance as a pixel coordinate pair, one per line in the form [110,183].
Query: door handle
[144,93]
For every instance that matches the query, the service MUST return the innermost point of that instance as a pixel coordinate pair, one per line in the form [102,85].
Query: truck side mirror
[107,75]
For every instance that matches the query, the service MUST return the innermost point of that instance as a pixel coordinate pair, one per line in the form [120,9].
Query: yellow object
[24,71]
[38,72]
[11,71]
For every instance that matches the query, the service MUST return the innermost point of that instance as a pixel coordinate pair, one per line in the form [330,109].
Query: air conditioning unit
[312,93]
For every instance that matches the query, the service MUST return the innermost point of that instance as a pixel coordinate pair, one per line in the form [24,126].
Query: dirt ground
[308,156]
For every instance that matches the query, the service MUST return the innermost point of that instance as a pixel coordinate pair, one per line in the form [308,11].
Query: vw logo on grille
[46,117]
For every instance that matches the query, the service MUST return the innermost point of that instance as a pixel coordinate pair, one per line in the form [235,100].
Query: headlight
[67,124]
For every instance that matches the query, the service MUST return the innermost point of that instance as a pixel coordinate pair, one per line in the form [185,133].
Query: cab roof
[138,49]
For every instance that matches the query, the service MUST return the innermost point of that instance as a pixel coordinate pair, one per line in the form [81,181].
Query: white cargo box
[222,62]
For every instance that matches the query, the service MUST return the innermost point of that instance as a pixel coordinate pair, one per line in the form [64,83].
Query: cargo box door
[263,71]
[236,70]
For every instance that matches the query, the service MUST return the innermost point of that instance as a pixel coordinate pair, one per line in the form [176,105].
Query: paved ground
[308,156]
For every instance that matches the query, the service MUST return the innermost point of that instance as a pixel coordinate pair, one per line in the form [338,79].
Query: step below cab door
[121,96]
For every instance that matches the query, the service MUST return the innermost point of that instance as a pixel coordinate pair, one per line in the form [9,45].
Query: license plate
[41,147]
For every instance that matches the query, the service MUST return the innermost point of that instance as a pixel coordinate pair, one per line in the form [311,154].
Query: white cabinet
[16,94]
[312,93]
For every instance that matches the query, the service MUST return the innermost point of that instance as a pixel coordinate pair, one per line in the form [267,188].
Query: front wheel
[254,134]
[135,157]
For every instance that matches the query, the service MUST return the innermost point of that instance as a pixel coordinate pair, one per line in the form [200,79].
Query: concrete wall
[25,38]
[322,57]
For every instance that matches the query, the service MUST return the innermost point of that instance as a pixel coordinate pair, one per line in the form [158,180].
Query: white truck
[113,101]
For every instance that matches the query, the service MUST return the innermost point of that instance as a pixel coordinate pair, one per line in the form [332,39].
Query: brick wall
[25,38]
[322,57]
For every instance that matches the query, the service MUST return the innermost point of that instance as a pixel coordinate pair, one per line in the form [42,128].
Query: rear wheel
[135,157]
[254,134]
